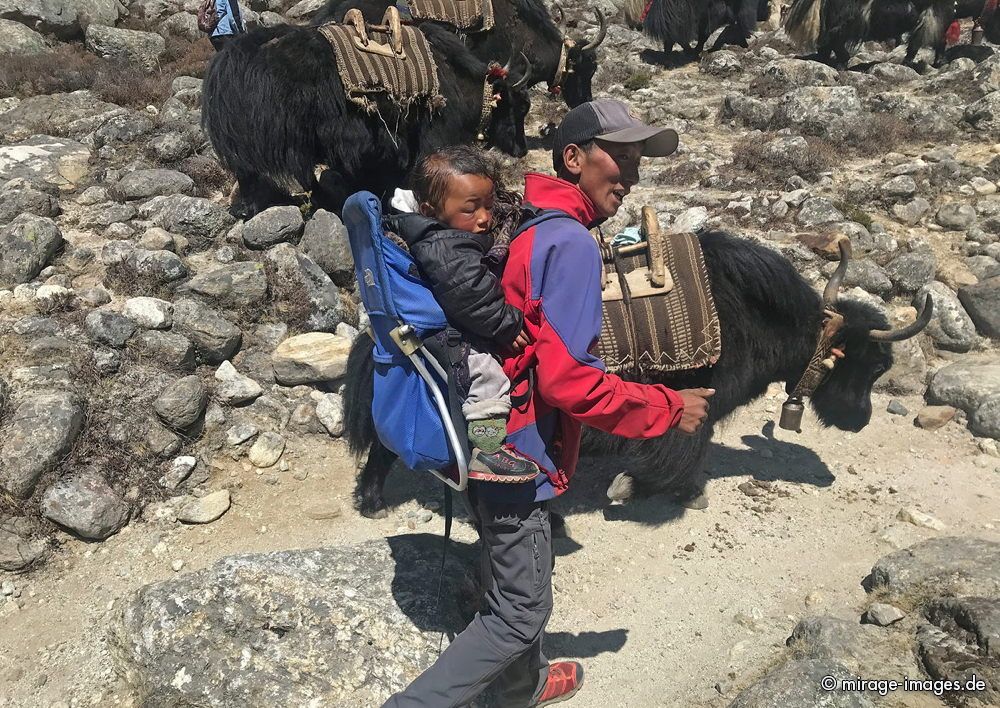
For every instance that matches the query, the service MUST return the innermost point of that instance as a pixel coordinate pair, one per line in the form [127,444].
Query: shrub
[751,154]
[66,68]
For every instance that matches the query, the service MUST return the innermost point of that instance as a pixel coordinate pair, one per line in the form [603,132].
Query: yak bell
[791,414]
[977,35]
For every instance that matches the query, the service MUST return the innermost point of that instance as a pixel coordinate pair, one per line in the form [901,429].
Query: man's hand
[695,408]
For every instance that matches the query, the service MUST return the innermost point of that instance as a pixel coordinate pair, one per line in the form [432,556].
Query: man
[553,275]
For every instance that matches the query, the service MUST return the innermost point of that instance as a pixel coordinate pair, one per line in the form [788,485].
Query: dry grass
[290,302]
[208,175]
[66,68]
[751,154]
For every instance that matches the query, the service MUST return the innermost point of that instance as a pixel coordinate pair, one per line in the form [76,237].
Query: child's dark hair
[432,172]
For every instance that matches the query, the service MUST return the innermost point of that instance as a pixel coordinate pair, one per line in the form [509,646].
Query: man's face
[607,172]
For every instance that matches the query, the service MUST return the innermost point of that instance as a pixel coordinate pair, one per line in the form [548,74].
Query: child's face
[467,205]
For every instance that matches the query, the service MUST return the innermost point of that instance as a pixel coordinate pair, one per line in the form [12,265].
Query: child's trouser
[489,388]
[504,641]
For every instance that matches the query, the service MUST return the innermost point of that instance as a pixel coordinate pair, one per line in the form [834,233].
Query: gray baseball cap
[609,120]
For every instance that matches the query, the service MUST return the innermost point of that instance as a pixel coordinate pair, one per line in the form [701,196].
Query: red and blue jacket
[553,275]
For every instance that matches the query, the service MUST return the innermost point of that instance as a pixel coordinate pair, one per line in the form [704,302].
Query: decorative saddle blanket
[468,15]
[659,314]
[397,62]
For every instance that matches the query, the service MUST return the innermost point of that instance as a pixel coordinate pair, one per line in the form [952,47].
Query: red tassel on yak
[954,33]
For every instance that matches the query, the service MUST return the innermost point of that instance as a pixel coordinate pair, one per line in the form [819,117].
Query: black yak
[683,22]
[274,108]
[566,65]
[836,27]
[770,319]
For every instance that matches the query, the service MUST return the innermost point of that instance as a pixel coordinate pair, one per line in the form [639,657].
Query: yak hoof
[697,502]
[622,488]
[382,513]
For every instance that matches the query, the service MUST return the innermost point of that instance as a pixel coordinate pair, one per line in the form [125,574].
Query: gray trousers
[489,388]
[504,641]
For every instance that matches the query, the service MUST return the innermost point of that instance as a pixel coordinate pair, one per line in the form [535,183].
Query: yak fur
[274,109]
[683,22]
[770,317]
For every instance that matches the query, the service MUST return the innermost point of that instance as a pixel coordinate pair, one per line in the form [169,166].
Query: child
[455,240]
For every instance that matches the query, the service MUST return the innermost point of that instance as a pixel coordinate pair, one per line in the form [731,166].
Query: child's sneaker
[504,465]
[562,683]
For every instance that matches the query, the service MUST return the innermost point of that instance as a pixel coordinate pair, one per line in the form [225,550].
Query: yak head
[505,128]
[577,78]
[843,399]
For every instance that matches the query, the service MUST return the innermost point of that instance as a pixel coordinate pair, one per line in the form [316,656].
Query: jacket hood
[546,192]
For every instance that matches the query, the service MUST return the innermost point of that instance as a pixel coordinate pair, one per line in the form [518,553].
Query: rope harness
[817,370]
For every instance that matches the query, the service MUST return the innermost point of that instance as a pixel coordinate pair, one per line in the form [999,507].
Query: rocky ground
[169,384]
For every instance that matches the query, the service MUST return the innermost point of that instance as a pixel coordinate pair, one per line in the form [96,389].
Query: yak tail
[931,26]
[802,25]
[633,12]
[359,390]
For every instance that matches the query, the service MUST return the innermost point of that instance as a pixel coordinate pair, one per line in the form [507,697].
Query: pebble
[897,408]
[882,615]
[7,588]
[206,509]
[919,518]
[177,565]
[989,447]
[300,475]
[267,449]
[934,417]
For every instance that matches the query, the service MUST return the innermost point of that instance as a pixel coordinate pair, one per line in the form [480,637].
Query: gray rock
[73,114]
[170,147]
[987,74]
[85,504]
[304,8]
[882,614]
[233,388]
[180,404]
[985,420]
[267,450]
[215,338]
[143,184]
[899,187]
[142,49]
[832,638]
[908,374]
[897,408]
[796,73]
[181,24]
[149,312]
[689,221]
[109,328]
[330,412]
[42,429]
[821,110]
[180,469]
[27,245]
[984,114]
[239,434]
[67,19]
[303,292]
[382,590]
[309,358]
[325,241]
[19,197]
[158,267]
[748,110]
[18,553]
[956,216]
[961,641]
[951,327]
[818,210]
[168,349]
[982,302]
[721,63]
[235,286]
[100,216]
[273,226]
[204,510]
[940,566]
[983,267]
[19,40]
[797,684]
[161,442]
[187,216]
[894,73]
[124,128]
[865,274]
[911,271]
[967,384]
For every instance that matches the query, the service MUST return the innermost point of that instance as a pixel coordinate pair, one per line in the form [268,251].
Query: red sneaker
[564,680]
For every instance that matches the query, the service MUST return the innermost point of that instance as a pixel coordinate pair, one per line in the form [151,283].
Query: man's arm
[567,375]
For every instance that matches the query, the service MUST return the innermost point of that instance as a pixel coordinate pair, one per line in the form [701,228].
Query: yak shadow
[668,60]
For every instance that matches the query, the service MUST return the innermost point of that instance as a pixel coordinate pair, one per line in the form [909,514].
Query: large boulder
[72,114]
[27,245]
[357,623]
[41,431]
[832,111]
[44,160]
[86,504]
[938,567]
[303,293]
[136,48]
[18,39]
[951,327]
[18,196]
[67,19]
[984,114]
[143,184]
[273,226]
[315,357]
[187,216]
[796,73]
[966,385]
[325,241]
[800,684]
[982,302]
[961,642]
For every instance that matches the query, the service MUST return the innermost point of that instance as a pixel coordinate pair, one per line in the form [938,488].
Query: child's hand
[521,342]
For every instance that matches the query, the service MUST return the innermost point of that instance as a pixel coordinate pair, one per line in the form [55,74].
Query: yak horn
[833,287]
[601,33]
[559,15]
[910,330]
[527,73]
[506,67]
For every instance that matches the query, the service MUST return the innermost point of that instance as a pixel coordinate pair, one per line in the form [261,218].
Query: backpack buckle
[406,339]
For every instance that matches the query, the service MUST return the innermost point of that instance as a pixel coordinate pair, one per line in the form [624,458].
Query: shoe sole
[560,699]
[503,479]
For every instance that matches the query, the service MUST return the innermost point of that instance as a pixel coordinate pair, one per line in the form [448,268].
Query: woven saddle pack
[659,314]
[392,59]
[467,15]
